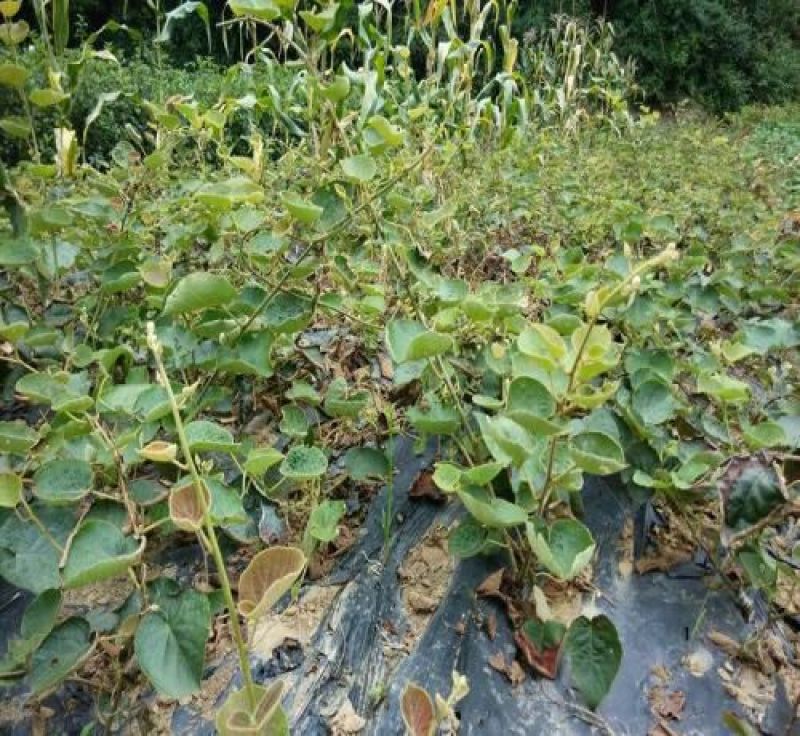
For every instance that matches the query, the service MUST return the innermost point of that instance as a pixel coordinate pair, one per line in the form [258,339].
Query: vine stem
[629,282]
[322,237]
[40,526]
[548,480]
[314,241]
[210,533]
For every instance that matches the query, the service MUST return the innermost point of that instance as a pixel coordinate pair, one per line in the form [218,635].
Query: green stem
[40,526]
[28,112]
[323,237]
[442,374]
[211,535]
[547,489]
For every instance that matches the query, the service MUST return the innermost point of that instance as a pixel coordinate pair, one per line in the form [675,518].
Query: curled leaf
[418,711]
[235,718]
[159,452]
[267,578]
[185,507]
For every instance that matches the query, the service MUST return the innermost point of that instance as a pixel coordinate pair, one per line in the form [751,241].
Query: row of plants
[720,54]
[549,307]
[568,77]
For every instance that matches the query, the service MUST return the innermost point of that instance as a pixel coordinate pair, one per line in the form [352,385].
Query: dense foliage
[722,54]
[492,252]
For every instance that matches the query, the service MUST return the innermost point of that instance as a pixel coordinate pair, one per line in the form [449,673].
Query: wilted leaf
[186,506]
[540,644]
[270,574]
[159,451]
[236,718]
[418,712]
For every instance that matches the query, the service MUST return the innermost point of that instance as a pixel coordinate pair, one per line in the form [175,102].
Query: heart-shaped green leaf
[17,437]
[447,477]
[13,75]
[530,396]
[37,622]
[341,401]
[28,558]
[595,654]
[360,168]
[287,313]
[597,453]
[467,539]
[199,291]
[338,89]
[64,649]
[444,420]
[170,642]
[301,209]
[205,436]
[304,463]
[508,441]
[323,524]
[564,548]
[99,551]
[261,9]
[225,194]
[408,340]
[724,388]
[365,463]
[63,481]
[653,402]
[10,490]
[492,512]
[261,459]
[752,494]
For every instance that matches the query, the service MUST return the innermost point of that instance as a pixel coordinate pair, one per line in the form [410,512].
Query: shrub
[723,54]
